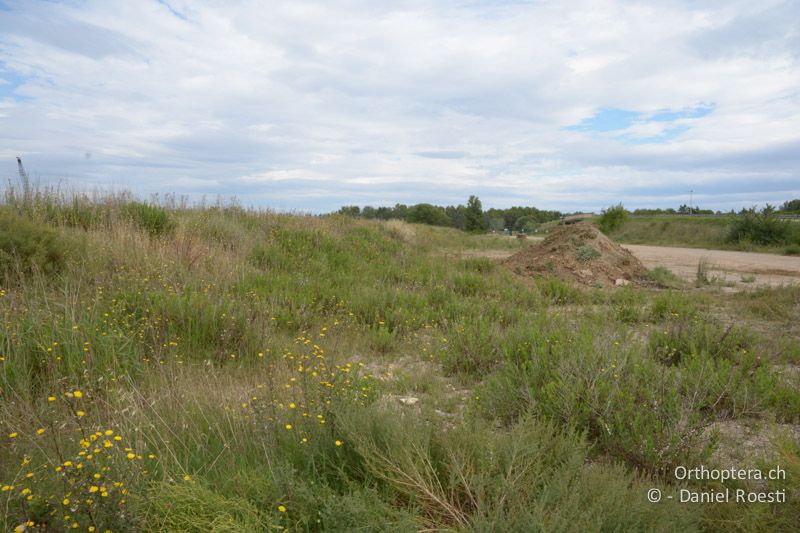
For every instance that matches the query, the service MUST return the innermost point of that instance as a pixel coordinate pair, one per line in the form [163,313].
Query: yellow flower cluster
[79,476]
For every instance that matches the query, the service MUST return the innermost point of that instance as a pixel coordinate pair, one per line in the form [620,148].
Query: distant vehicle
[573,219]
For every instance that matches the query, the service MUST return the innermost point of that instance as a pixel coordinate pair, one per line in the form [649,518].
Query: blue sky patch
[609,119]
[694,112]
[9,82]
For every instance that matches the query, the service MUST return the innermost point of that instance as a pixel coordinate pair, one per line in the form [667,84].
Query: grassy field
[695,232]
[218,369]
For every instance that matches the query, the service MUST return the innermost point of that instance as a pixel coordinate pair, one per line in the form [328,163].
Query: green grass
[222,369]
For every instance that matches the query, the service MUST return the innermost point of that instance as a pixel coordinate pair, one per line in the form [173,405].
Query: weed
[664,277]
[586,253]
[701,277]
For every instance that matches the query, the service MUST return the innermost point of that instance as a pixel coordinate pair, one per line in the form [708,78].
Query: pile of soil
[581,254]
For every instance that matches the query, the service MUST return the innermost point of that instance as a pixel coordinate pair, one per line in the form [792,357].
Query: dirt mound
[579,253]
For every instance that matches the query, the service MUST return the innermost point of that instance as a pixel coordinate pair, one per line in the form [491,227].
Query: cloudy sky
[308,106]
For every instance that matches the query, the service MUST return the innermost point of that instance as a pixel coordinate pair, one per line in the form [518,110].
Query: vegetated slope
[579,253]
[713,232]
[206,370]
[694,232]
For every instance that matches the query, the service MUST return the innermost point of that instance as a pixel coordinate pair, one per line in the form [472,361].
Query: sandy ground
[740,269]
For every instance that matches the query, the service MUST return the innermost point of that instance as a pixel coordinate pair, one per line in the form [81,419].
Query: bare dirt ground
[738,269]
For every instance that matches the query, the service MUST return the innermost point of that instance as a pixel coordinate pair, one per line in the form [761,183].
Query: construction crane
[23,176]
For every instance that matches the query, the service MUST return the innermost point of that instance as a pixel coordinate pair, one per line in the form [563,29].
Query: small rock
[408,400]
[621,282]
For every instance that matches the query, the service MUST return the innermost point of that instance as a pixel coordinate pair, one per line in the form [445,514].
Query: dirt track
[767,269]
[743,269]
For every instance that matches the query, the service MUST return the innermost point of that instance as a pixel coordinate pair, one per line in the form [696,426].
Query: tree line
[791,206]
[469,217]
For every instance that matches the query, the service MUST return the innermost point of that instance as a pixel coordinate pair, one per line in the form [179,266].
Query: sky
[308,106]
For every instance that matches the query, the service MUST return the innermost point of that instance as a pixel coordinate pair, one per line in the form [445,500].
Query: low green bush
[759,228]
[584,381]
[535,477]
[26,247]
[152,218]
[586,253]
[691,337]
[664,277]
[613,218]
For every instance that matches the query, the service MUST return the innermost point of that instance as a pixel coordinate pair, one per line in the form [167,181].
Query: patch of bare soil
[420,387]
[743,443]
[582,254]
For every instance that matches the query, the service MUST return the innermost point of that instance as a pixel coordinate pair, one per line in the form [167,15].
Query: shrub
[152,218]
[583,381]
[664,277]
[691,337]
[759,228]
[612,218]
[28,247]
[535,477]
[792,249]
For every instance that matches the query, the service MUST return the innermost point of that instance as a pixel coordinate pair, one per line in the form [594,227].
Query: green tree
[350,210]
[474,215]
[791,205]
[428,214]
[526,224]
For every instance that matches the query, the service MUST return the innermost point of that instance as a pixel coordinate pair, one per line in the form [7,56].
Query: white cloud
[315,104]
